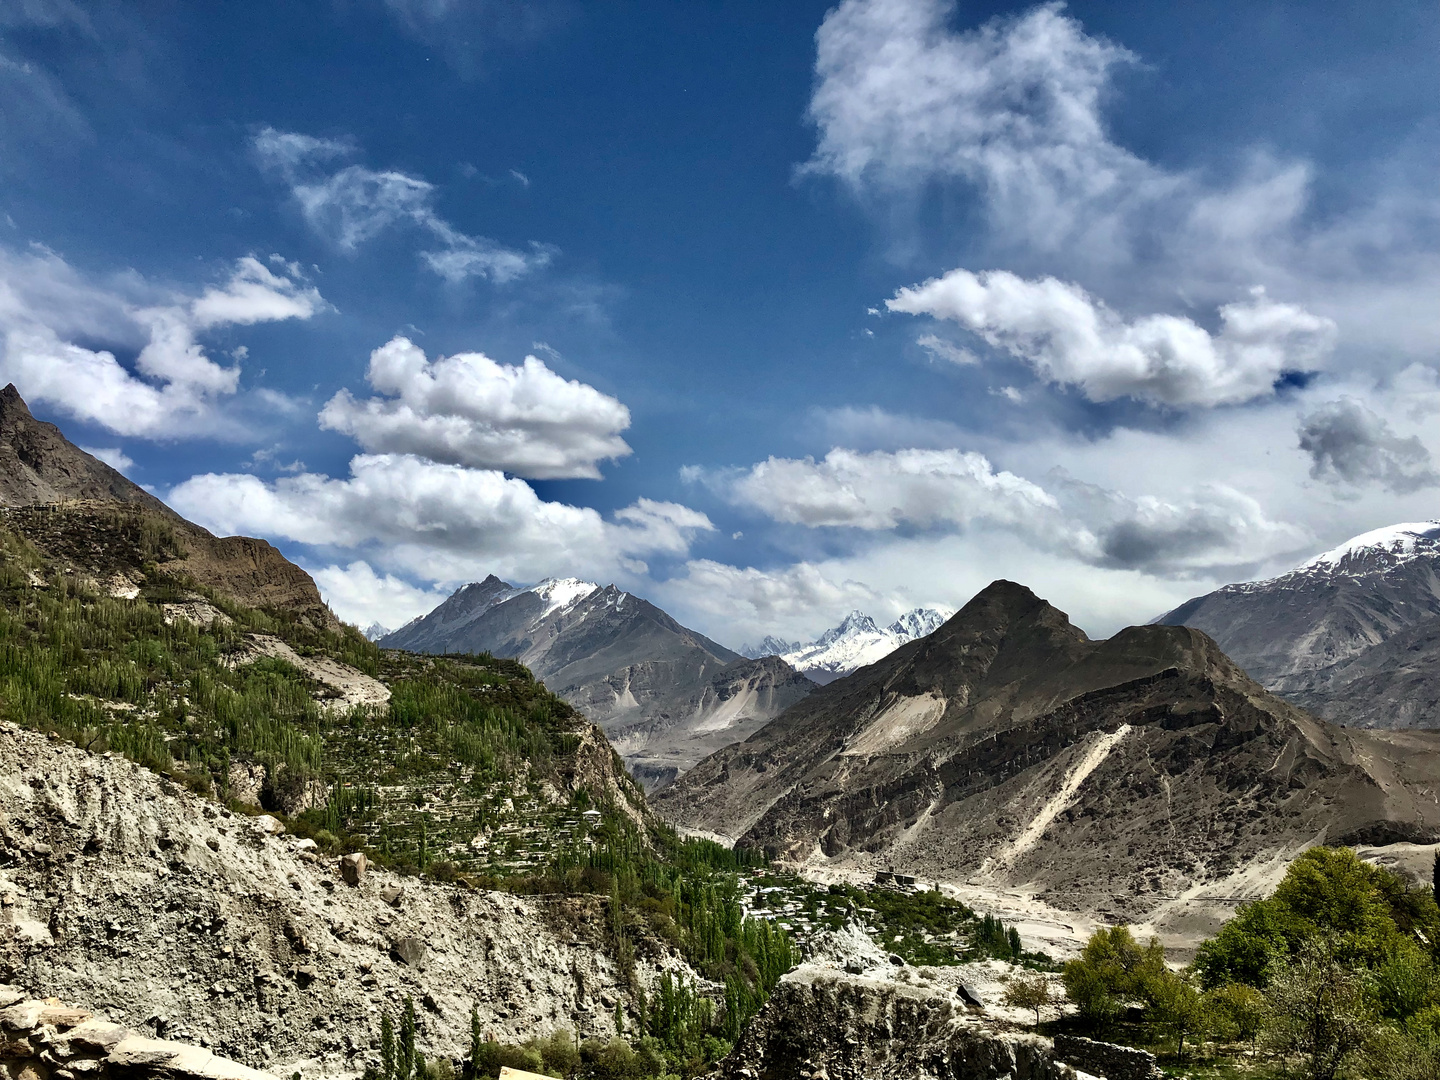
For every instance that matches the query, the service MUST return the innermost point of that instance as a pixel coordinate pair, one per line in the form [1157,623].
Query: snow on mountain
[1400,543]
[561,593]
[769,646]
[1373,552]
[857,641]
[375,631]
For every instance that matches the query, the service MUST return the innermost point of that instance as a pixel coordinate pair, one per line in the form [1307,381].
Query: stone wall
[45,1040]
[1106,1059]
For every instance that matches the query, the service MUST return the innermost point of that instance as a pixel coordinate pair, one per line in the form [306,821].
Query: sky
[765,312]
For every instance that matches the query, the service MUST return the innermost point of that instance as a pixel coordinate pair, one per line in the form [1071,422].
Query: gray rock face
[1007,748]
[1353,635]
[113,897]
[39,1039]
[822,1022]
[665,695]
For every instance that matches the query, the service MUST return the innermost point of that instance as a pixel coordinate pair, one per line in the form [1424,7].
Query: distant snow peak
[561,593]
[769,646]
[375,631]
[1378,549]
[857,641]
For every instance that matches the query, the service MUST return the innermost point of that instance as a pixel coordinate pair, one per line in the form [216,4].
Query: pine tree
[387,1048]
[405,1066]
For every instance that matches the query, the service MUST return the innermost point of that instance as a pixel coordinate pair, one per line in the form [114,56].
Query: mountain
[375,631]
[1353,634]
[76,509]
[857,641]
[769,646]
[1008,749]
[664,694]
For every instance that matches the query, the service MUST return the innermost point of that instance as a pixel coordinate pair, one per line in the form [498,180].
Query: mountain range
[665,695]
[1008,748]
[857,641]
[1352,635]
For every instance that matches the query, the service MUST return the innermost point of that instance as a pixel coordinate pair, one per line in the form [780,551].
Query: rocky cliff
[125,893]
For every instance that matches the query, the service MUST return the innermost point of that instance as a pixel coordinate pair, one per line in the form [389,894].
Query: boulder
[352,867]
[410,951]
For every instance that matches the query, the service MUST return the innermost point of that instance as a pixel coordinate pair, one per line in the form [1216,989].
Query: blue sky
[829,306]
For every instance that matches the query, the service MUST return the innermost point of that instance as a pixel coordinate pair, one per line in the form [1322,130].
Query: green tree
[387,1047]
[1237,1010]
[1111,972]
[1028,990]
[1174,1003]
[1319,1011]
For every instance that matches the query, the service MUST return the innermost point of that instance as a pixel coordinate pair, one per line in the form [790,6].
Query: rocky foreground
[124,893]
[853,1013]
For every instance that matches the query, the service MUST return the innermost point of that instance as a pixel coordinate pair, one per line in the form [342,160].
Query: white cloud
[361,597]
[468,410]
[796,599]
[1070,337]
[439,522]
[1208,528]
[1014,111]
[353,204]
[882,490]
[941,349]
[113,456]
[47,308]
[1013,107]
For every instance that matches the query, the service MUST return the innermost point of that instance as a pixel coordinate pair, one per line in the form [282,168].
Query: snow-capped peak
[919,623]
[1400,543]
[561,593]
[857,641]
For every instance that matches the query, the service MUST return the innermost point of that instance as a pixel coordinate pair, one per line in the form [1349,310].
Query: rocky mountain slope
[76,509]
[1353,634]
[857,641]
[124,891]
[664,694]
[1110,776]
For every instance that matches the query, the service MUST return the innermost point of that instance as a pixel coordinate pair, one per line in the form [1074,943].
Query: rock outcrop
[77,509]
[45,1039]
[825,1023]
[125,893]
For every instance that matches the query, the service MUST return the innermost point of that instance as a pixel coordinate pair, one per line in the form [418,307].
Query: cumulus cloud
[51,315]
[468,410]
[1210,527]
[439,522]
[1348,443]
[352,204]
[883,490]
[362,597]
[1070,337]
